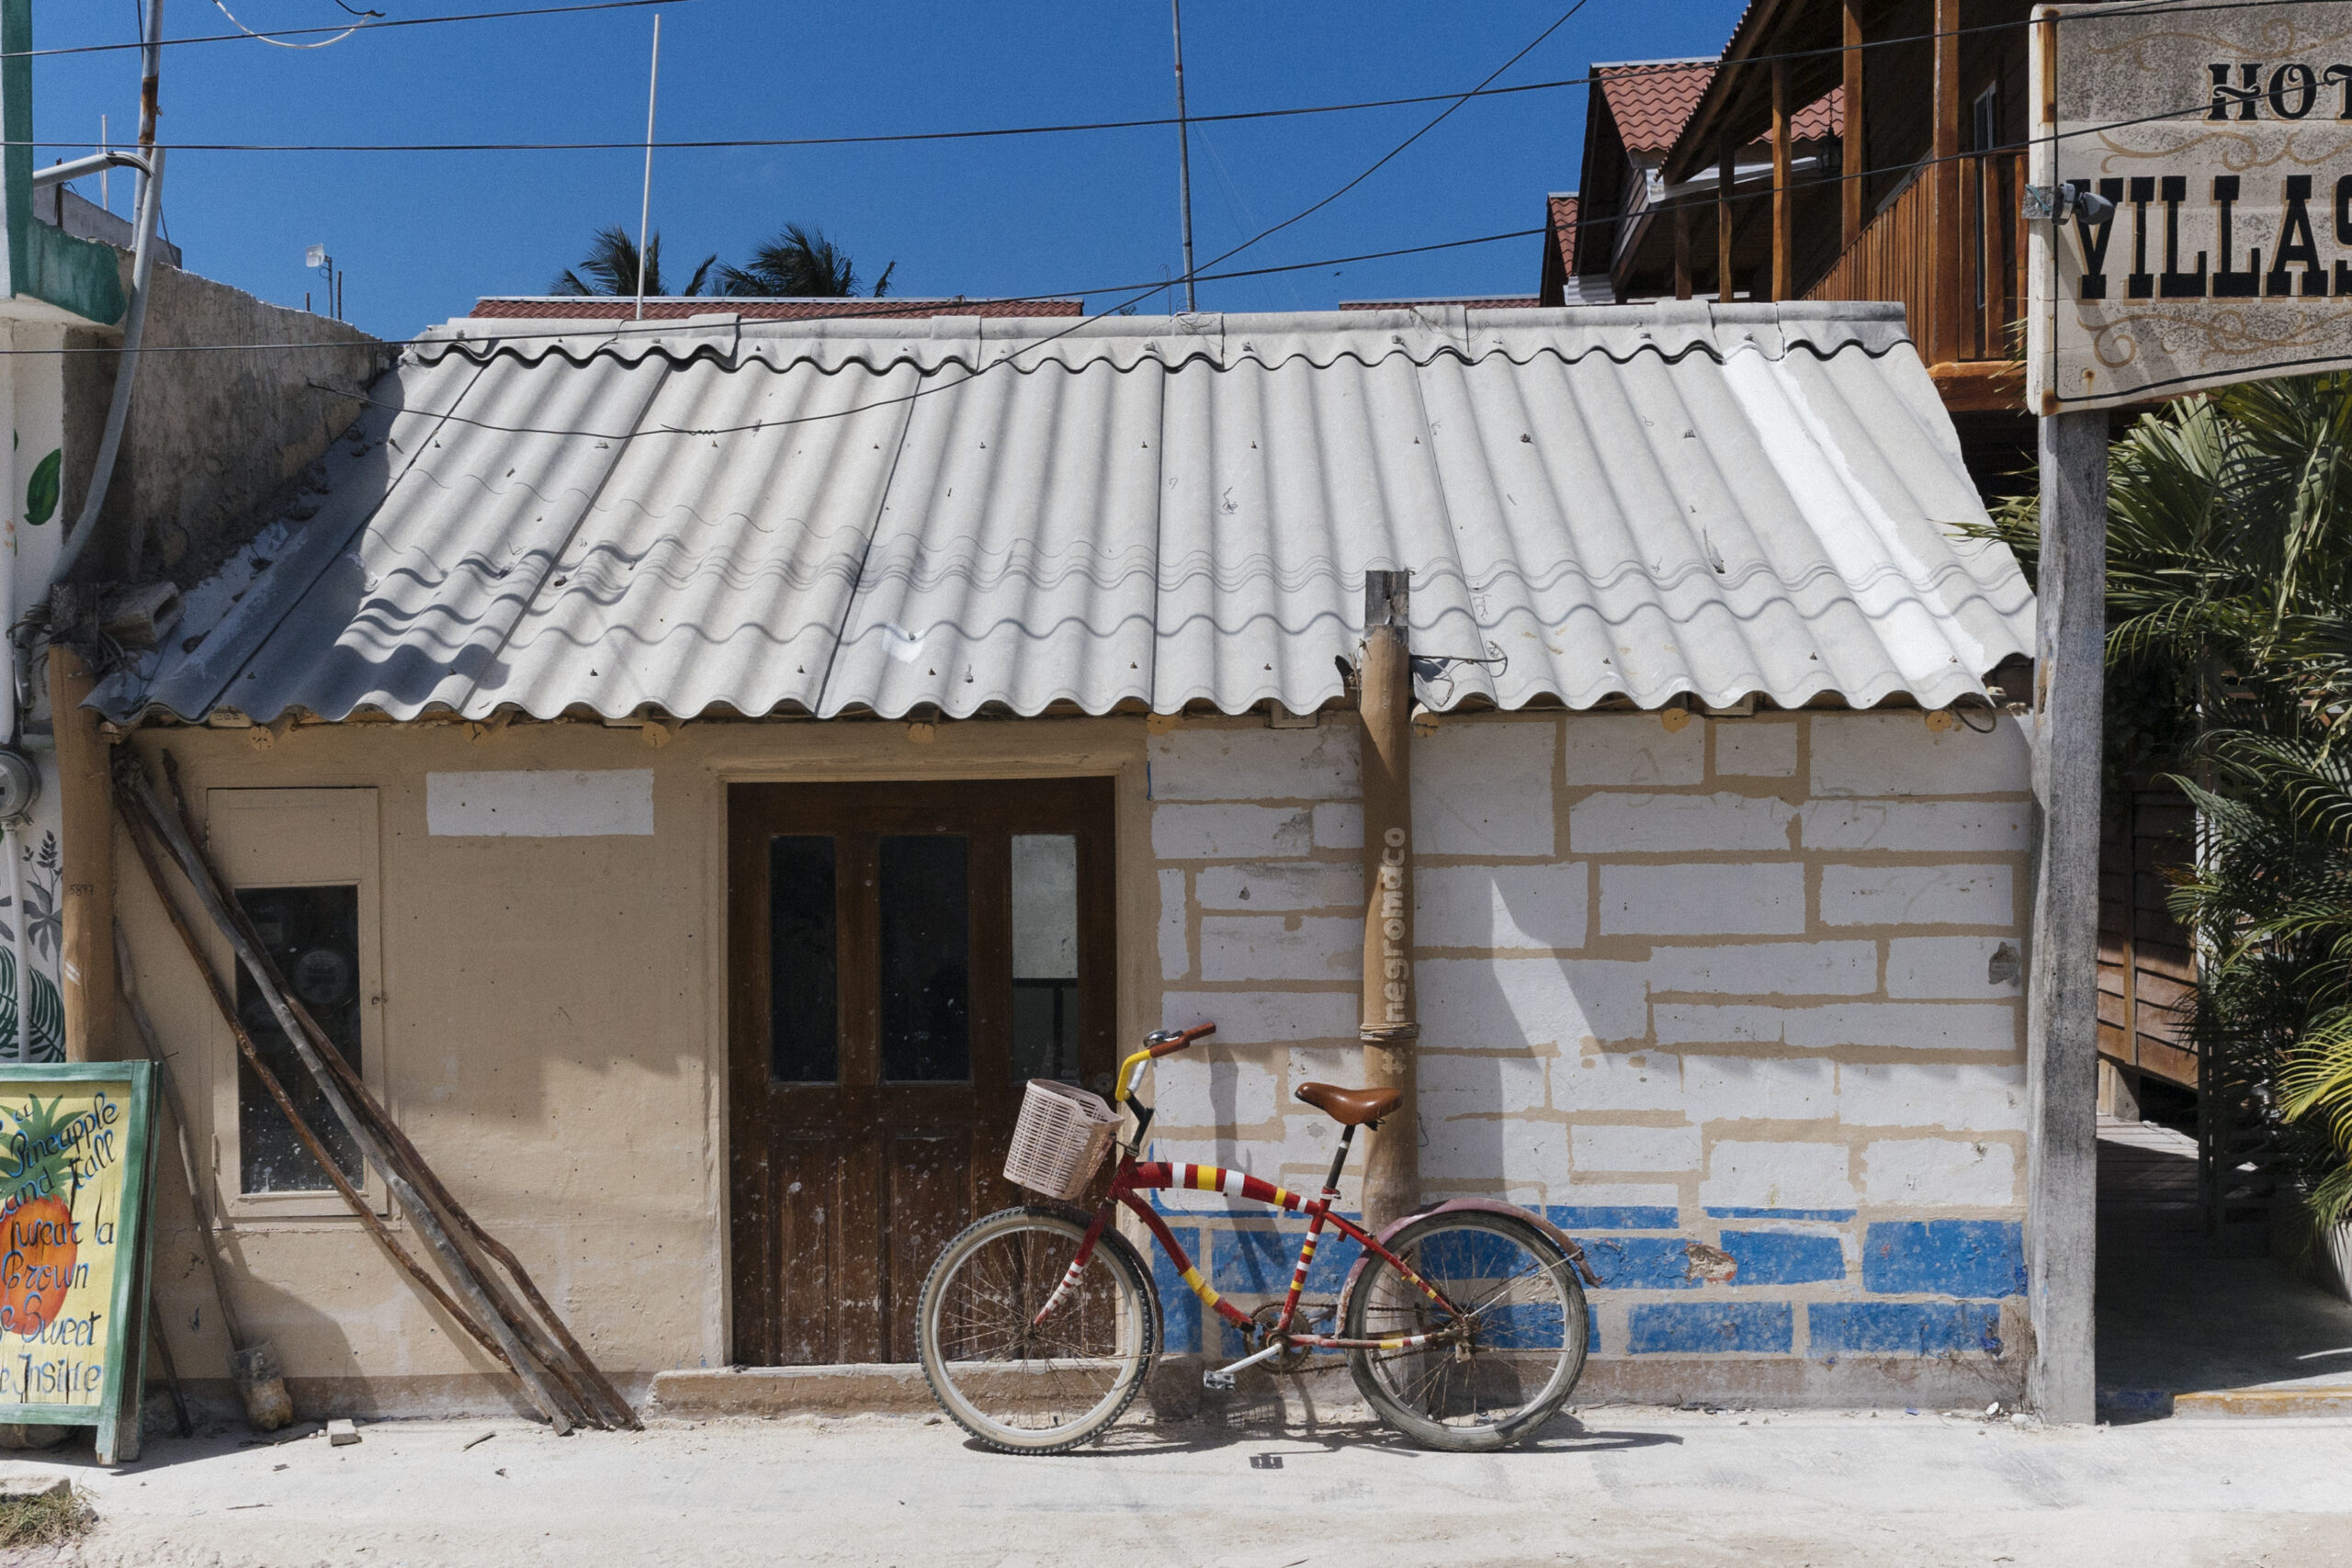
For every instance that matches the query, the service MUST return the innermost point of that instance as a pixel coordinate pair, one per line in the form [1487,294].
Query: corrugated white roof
[961,513]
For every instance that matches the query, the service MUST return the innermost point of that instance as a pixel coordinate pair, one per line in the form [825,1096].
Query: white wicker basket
[1060,1141]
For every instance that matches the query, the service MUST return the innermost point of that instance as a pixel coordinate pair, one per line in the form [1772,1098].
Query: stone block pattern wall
[1749,988]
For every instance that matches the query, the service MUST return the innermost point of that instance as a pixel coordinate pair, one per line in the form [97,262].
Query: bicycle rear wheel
[1017,1384]
[1501,1367]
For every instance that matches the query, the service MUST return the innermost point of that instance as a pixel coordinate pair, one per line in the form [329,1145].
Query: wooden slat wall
[2145,967]
[1892,259]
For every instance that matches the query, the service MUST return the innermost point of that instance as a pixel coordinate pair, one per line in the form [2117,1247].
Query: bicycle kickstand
[1222,1377]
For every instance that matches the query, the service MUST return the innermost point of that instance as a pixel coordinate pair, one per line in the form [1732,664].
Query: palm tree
[2229,612]
[800,264]
[611,267]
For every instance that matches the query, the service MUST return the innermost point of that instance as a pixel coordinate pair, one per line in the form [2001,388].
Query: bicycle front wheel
[1015,1382]
[1498,1367]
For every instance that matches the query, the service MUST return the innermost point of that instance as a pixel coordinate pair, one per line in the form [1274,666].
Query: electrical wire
[244,33]
[222,6]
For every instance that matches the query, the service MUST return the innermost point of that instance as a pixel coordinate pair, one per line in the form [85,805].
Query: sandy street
[1619,1486]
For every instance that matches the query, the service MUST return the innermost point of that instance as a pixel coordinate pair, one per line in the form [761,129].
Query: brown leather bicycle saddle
[1351,1107]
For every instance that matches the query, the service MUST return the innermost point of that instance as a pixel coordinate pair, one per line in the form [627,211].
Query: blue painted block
[1777,1258]
[1710,1328]
[1639,1262]
[1903,1328]
[1611,1217]
[1983,1259]
[1833,1214]
[1177,1304]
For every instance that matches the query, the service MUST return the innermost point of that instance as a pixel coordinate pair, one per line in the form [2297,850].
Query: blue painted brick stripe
[1778,1258]
[1736,1213]
[1980,1259]
[1639,1262]
[1711,1328]
[1611,1217]
[1903,1328]
[1177,1304]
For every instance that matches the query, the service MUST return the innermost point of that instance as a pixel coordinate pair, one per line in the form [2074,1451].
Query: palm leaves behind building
[2229,603]
[610,268]
[802,263]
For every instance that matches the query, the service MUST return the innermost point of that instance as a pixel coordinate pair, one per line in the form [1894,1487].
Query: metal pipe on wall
[1387,1022]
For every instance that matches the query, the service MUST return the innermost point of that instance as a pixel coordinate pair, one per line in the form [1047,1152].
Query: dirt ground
[1613,1486]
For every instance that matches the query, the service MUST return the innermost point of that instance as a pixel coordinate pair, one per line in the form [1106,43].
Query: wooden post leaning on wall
[1387,1022]
[1783,197]
[1726,172]
[2062,984]
[1852,156]
[1944,240]
[86,792]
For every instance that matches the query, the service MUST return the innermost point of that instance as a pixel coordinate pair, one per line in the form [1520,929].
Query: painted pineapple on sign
[40,876]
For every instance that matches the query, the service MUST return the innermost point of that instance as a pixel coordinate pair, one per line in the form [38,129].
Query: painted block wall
[1748,989]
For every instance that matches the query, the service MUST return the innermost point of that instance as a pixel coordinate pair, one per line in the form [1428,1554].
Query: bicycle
[1464,1325]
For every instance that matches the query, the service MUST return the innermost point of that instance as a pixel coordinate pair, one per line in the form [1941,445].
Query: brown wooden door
[902,958]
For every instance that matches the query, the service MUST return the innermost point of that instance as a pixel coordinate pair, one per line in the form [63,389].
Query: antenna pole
[104,146]
[1183,152]
[645,206]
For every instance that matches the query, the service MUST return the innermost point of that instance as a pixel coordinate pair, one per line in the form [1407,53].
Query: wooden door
[902,958]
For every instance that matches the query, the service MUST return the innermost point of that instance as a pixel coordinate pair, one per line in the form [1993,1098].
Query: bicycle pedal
[1217,1378]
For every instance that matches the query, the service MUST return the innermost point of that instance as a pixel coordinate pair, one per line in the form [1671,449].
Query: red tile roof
[1562,215]
[1651,103]
[592,307]
[1474,302]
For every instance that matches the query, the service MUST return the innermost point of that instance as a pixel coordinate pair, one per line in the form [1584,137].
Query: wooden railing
[1894,259]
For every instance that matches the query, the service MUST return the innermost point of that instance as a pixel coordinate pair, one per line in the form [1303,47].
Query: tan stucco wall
[1739,965]
[552,1034]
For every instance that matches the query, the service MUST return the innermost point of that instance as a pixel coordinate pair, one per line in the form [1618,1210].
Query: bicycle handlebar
[1158,1042]
[1164,1044]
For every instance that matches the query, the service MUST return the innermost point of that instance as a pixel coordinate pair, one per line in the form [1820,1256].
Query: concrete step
[2333,1399]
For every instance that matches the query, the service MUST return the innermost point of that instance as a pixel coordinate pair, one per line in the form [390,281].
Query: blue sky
[421,235]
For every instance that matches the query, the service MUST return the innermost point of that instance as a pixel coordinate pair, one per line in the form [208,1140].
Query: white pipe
[134,330]
[96,164]
[15,848]
[645,204]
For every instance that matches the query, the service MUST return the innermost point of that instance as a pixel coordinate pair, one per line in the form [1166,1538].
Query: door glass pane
[926,912]
[1044,955]
[313,935]
[804,1000]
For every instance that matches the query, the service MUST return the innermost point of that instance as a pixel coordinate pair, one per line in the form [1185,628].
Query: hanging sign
[73,1175]
[2194,163]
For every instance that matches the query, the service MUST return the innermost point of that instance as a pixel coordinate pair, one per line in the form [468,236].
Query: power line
[365,26]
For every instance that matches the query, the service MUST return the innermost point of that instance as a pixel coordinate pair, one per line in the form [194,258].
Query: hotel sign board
[2220,137]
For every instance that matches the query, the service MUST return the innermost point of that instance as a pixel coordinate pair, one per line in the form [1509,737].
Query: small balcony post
[1853,158]
[1783,199]
[1682,250]
[1726,165]
[1947,249]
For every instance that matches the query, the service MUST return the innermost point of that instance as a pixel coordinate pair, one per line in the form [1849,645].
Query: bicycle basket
[1060,1141]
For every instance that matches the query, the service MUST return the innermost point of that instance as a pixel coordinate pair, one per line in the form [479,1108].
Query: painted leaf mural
[40,492]
[45,1038]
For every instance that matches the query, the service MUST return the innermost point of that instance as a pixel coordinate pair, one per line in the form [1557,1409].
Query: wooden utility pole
[1387,1022]
[2061,993]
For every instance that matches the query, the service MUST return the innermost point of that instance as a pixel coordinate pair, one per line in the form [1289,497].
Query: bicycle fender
[1478,1206]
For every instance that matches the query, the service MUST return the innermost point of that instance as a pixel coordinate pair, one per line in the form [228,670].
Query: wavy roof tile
[962,514]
